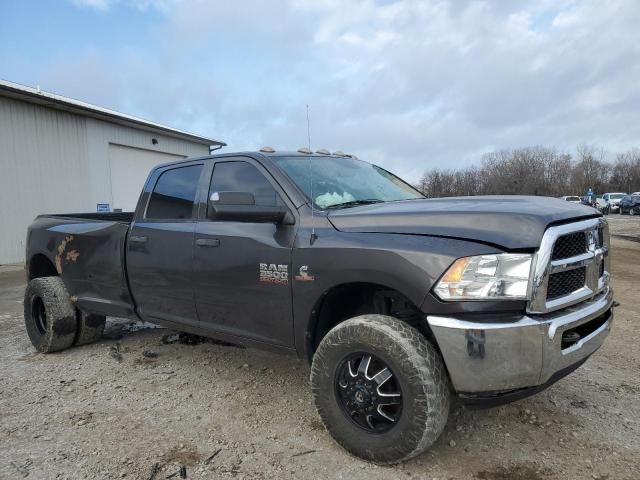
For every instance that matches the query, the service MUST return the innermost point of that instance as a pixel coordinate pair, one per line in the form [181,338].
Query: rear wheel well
[350,300]
[41,266]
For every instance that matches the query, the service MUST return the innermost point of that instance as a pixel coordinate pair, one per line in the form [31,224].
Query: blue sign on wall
[103,208]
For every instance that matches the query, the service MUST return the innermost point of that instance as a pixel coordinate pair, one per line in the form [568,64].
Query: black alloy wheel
[381,388]
[368,392]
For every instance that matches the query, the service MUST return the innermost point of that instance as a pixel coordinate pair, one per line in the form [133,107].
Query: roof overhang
[58,102]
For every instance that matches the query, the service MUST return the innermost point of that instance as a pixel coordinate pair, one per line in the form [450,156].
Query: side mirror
[241,207]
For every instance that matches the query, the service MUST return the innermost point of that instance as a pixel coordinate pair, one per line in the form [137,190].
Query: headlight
[486,277]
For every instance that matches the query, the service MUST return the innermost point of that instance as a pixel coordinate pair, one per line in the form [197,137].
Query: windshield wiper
[354,203]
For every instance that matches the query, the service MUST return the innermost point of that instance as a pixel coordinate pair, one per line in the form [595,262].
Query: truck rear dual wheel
[52,322]
[90,328]
[48,314]
[380,388]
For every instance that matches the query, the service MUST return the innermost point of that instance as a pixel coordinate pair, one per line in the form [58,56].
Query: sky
[407,84]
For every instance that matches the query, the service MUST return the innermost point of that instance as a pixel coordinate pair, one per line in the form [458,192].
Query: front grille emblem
[593,240]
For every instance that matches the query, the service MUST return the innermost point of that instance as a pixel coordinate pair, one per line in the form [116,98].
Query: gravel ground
[118,408]
[624,226]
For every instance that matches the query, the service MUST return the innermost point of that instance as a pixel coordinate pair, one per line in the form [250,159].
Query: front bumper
[492,358]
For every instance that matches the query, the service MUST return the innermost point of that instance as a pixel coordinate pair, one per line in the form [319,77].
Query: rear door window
[174,194]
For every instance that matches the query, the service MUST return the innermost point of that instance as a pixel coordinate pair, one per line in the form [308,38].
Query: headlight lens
[487,277]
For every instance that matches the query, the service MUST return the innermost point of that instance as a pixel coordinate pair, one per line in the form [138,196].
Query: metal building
[60,155]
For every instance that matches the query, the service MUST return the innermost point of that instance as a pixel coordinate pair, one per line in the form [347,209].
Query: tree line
[538,171]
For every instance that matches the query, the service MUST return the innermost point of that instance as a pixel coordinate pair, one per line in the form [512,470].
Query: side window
[174,193]
[244,177]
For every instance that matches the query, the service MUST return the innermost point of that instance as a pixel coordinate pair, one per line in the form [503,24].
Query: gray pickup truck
[398,302]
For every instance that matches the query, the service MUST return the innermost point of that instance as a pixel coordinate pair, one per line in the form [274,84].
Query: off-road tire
[417,367]
[57,331]
[90,328]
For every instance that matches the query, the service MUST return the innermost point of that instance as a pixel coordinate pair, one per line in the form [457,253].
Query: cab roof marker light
[323,151]
[267,150]
[305,150]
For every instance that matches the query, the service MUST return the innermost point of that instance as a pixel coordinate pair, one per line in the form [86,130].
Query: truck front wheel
[48,314]
[380,388]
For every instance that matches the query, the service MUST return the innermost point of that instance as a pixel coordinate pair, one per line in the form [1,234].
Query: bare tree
[538,170]
[625,173]
[590,170]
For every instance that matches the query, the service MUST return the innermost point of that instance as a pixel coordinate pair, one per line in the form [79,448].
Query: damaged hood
[511,222]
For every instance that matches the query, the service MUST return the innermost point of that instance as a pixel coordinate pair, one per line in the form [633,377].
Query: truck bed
[88,252]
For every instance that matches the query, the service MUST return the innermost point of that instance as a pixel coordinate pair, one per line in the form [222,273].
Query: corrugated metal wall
[56,162]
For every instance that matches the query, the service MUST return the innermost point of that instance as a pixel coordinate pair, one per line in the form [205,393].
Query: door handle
[138,239]
[207,242]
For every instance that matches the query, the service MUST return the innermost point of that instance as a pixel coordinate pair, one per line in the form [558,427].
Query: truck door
[160,246]
[243,269]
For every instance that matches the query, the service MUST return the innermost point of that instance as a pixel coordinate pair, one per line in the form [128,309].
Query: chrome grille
[564,283]
[571,265]
[571,245]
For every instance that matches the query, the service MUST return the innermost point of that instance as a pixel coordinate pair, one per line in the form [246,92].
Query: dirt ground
[624,226]
[118,408]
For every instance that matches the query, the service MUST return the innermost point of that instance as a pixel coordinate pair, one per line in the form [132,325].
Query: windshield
[344,182]
[572,199]
[616,196]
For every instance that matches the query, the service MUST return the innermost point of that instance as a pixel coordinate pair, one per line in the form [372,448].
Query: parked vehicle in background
[613,200]
[635,193]
[601,205]
[630,204]
[398,302]
[572,198]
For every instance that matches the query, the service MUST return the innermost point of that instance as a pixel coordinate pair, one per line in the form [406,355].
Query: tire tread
[61,322]
[422,365]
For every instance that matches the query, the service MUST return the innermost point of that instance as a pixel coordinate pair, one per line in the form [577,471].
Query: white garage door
[129,170]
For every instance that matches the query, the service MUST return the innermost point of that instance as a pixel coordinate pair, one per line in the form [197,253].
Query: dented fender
[89,256]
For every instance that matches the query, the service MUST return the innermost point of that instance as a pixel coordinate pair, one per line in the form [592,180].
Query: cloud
[96,4]
[409,84]
[104,5]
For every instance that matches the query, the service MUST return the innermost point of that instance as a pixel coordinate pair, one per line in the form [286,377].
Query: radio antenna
[308,129]
[313,222]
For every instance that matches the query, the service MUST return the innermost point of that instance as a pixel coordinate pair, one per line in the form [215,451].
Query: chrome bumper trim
[483,357]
